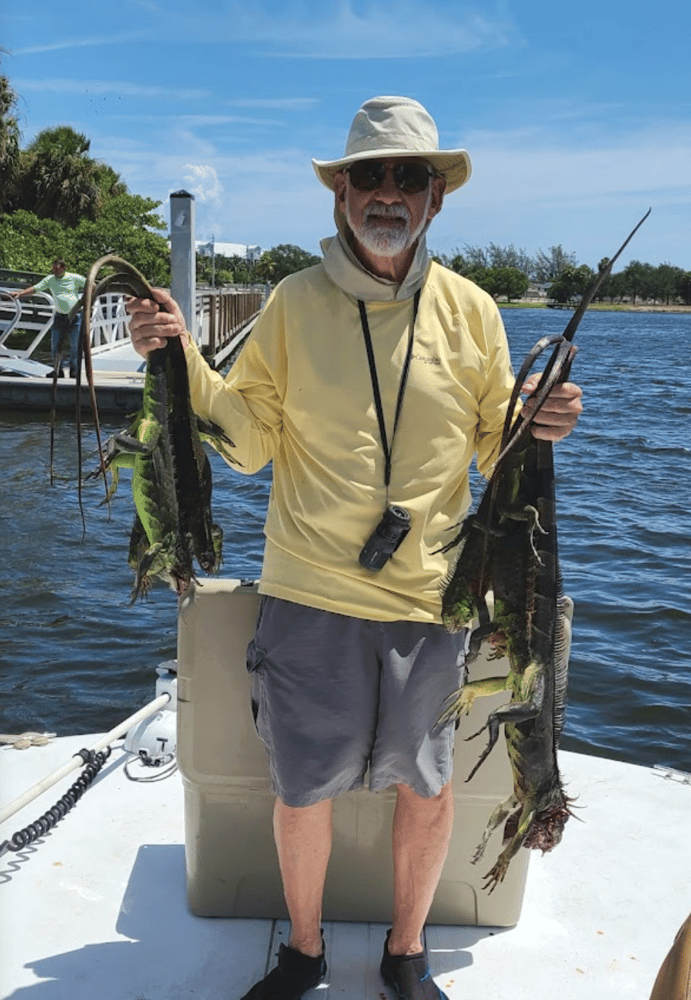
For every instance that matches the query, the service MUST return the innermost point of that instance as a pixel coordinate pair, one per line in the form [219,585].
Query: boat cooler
[232,869]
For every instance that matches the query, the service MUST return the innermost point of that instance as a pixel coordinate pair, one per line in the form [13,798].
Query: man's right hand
[153,321]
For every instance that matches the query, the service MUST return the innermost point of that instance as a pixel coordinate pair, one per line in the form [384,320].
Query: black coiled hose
[93,764]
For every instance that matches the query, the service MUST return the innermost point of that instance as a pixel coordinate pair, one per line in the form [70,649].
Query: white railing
[10,312]
[38,316]
[109,320]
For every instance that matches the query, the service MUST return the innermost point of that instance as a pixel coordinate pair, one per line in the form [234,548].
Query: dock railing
[33,314]
[222,314]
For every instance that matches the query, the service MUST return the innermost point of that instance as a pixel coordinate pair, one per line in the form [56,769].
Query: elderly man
[65,289]
[370,380]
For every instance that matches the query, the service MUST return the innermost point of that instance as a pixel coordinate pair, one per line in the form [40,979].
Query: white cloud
[275,103]
[311,29]
[534,188]
[653,162]
[116,38]
[123,88]
[378,30]
[204,181]
[538,191]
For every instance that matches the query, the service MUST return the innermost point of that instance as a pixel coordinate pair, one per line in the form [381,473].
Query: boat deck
[97,907]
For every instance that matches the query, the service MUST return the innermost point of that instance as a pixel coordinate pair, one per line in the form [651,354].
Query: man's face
[388,202]
[58,270]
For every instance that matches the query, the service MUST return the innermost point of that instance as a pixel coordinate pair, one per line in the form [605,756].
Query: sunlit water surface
[75,656]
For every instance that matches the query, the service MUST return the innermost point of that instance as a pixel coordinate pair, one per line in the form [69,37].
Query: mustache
[379,210]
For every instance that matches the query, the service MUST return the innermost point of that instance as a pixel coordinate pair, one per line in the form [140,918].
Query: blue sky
[577,117]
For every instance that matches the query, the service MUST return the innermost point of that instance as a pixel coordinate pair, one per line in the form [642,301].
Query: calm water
[76,657]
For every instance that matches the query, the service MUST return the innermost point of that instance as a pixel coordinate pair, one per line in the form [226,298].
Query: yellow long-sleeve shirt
[300,394]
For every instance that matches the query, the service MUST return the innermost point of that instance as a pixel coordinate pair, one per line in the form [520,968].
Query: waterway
[75,656]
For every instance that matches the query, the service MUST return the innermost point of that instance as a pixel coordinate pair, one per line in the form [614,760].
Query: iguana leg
[498,871]
[500,814]
[514,712]
[145,567]
[218,439]
[531,515]
[121,449]
[461,701]
[477,637]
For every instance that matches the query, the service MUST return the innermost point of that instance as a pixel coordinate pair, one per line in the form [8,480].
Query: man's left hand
[559,413]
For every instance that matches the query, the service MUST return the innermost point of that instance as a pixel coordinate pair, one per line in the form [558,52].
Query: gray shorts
[334,696]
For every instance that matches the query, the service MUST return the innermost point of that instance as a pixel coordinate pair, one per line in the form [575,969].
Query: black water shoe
[409,976]
[294,975]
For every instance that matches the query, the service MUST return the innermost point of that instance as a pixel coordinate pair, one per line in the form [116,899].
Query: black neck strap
[375,383]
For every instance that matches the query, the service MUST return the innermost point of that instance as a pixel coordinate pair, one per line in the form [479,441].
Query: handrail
[15,318]
[220,315]
[44,301]
[109,320]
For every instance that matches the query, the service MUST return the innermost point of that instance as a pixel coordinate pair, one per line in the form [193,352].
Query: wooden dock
[224,318]
[117,393]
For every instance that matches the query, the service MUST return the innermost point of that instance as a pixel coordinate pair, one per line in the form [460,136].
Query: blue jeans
[61,329]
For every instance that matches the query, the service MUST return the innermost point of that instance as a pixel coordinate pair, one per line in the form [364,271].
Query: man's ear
[340,184]
[437,200]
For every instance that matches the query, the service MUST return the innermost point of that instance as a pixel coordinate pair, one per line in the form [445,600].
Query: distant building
[538,291]
[217,248]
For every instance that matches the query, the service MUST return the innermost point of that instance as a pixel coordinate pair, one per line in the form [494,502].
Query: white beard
[387,240]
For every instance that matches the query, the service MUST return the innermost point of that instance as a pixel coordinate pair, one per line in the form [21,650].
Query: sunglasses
[409,177]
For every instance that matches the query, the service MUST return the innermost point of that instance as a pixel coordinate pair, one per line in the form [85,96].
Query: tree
[482,276]
[58,179]
[109,181]
[613,287]
[665,283]
[571,283]
[455,261]
[10,136]
[500,281]
[684,287]
[473,257]
[509,257]
[28,243]
[124,227]
[510,283]
[638,280]
[129,227]
[549,265]
[233,270]
[285,259]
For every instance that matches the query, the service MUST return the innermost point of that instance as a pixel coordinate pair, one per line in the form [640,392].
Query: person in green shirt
[65,289]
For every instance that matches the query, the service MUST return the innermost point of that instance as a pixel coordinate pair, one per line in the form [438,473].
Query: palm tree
[59,179]
[9,142]
[110,181]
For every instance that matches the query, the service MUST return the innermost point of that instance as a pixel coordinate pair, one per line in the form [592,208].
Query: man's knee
[442,801]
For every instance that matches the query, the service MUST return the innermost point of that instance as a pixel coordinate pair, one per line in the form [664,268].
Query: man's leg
[56,340]
[303,841]
[75,330]
[421,835]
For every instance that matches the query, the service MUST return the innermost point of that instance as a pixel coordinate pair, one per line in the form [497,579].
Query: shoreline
[598,306]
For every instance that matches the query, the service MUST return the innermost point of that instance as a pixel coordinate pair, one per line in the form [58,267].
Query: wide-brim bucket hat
[396,127]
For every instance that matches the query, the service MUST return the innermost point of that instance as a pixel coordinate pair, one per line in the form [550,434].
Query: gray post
[183,269]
